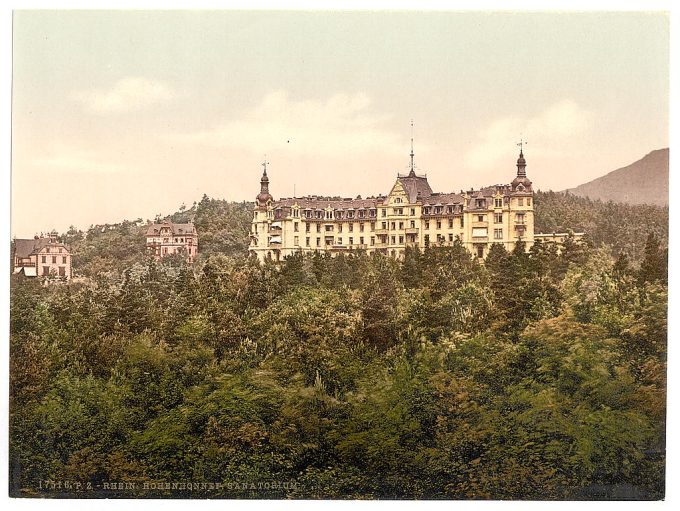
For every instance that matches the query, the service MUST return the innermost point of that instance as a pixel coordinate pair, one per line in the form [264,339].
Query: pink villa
[168,238]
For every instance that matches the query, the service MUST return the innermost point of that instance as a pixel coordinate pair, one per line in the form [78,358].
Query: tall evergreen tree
[654,266]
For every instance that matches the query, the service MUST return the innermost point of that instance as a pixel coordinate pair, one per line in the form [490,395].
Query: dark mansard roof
[23,248]
[417,189]
[318,202]
[420,190]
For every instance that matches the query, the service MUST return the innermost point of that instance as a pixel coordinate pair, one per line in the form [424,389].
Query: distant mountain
[642,182]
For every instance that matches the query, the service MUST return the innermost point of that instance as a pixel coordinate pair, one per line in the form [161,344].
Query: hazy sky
[127,114]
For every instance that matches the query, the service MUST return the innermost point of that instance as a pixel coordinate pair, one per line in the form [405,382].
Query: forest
[536,374]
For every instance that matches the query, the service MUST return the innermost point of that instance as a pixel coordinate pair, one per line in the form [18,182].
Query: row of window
[59,250]
[397,211]
[498,219]
[337,215]
[54,259]
[329,241]
[330,227]
[190,241]
[498,202]
[479,248]
[165,251]
[46,270]
[439,210]
[383,238]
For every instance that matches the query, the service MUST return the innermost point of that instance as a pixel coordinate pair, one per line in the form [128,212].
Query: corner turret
[521,183]
[264,196]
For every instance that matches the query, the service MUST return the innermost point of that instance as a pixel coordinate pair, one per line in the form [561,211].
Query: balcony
[274,241]
[350,247]
[411,230]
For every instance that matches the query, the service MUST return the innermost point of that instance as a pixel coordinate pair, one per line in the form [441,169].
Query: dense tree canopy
[536,374]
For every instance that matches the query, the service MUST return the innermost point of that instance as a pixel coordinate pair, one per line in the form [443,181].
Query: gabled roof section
[175,229]
[23,248]
[415,187]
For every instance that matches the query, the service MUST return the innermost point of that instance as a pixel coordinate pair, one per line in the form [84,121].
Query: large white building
[410,215]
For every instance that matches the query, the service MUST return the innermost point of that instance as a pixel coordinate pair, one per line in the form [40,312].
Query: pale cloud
[552,133]
[68,159]
[338,125]
[127,94]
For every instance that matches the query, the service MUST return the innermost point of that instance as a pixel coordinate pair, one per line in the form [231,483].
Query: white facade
[411,215]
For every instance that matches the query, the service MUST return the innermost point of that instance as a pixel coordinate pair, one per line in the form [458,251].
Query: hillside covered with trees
[620,227]
[536,375]
[642,182]
[223,228]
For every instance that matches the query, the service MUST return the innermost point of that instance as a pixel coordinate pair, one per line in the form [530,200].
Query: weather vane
[265,163]
[521,144]
[412,172]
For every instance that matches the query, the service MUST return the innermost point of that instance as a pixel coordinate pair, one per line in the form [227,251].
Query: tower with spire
[264,196]
[521,183]
[410,215]
[412,172]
